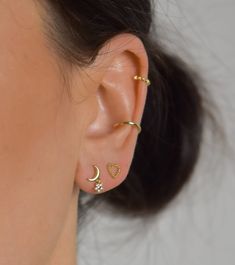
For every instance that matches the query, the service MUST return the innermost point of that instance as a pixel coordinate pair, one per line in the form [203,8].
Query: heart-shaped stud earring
[113,169]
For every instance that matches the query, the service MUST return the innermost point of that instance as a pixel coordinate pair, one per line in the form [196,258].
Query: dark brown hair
[169,145]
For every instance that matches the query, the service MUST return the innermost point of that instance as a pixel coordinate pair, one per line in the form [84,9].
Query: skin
[48,143]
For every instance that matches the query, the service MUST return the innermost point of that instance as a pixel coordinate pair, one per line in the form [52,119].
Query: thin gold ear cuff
[129,123]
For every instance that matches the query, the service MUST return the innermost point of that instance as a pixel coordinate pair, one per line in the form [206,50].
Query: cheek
[36,154]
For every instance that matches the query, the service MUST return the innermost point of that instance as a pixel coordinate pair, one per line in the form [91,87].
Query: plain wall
[198,227]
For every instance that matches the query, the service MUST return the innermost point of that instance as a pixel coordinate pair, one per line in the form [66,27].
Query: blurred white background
[198,227]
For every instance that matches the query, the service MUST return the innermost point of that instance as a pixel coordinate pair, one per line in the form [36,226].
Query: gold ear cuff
[129,123]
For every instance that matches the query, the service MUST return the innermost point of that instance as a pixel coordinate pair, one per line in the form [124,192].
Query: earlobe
[109,142]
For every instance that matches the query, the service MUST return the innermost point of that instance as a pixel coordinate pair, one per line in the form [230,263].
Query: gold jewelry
[113,169]
[98,184]
[147,81]
[140,78]
[129,123]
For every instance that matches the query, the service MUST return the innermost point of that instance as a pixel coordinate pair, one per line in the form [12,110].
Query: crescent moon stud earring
[96,179]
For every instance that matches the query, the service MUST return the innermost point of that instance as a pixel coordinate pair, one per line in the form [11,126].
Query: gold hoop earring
[98,184]
[129,123]
[113,169]
[140,78]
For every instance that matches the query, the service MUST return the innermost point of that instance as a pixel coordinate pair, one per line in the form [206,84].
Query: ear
[117,97]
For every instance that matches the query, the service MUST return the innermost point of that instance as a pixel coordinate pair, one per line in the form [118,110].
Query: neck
[65,251]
